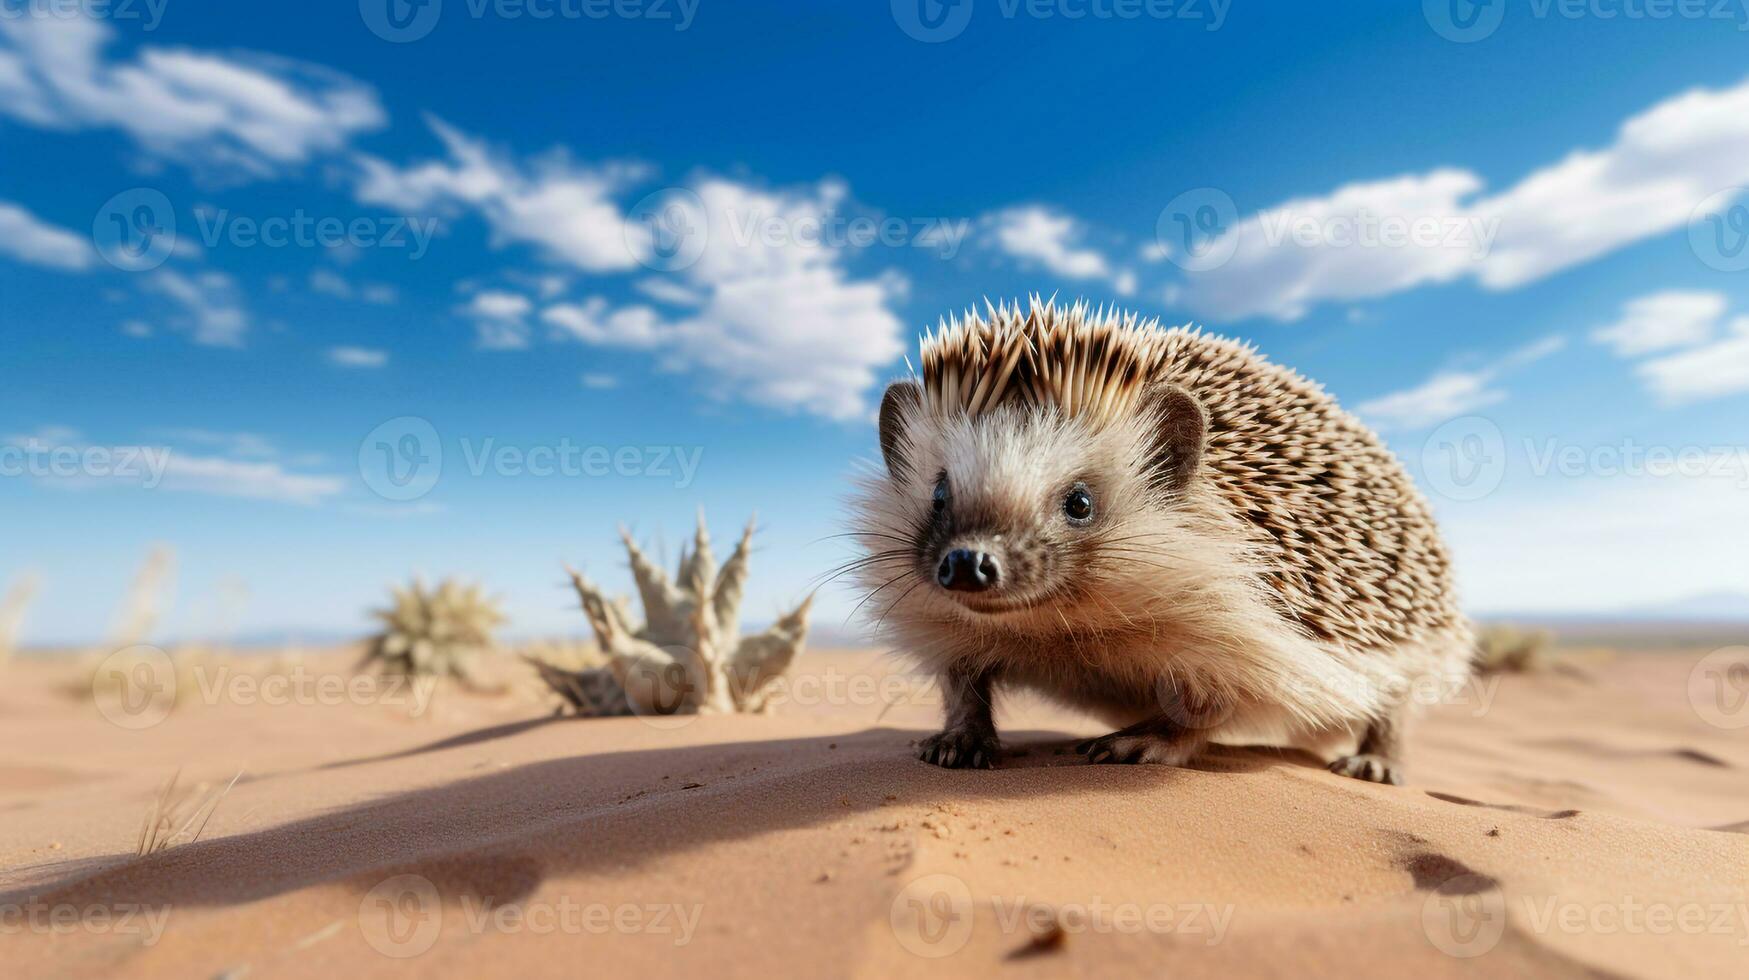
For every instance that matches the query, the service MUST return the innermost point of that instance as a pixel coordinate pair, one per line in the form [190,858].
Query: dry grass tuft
[178,817]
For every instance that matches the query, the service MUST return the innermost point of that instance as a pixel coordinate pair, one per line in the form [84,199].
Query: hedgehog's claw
[960,749]
[1150,748]
[1370,768]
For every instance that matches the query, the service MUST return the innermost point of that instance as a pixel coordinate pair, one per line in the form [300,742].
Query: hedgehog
[1158,527]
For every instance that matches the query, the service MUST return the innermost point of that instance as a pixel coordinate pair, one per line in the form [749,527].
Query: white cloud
[1444,396]
[600,382]
[781,322]
[1312,249]
[249,114]
[29,239]
[500,319]
[357,357]
[252,480]
[1038,234]
[1660,321]
[593,322]
[332,283]
[1622,541]
[774,316]
[1711,371]
[1663,163]
[563,208]
[668,291]
[167,468]
[245,444]
[212,307]
[1452,393]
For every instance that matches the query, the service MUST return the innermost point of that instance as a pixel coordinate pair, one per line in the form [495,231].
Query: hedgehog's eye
[1078,505]
[938,500]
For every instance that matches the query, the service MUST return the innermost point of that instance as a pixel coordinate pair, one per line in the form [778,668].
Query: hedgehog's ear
[901,404]
[1181,427]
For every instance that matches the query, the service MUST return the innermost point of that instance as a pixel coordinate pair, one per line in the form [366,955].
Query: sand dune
[1570,824]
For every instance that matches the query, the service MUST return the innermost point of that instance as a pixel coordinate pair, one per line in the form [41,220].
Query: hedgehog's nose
[965,570]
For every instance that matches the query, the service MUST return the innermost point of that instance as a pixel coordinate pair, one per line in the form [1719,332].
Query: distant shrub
[1503,648]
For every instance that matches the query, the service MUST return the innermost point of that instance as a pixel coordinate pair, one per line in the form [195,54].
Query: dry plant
[435,632]
[178,816]
[1503,648]
[12,610]
[689,656]
[145,600]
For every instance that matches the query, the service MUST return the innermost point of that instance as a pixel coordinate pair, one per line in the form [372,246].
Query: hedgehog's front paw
[960,748]
[1129,748]
[1372,768]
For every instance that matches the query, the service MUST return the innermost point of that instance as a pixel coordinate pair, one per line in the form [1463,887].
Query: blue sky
[637,240]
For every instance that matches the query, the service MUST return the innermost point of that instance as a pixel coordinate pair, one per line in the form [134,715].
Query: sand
[1584,822]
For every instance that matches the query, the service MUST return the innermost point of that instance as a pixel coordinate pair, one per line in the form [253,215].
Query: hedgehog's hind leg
[968,741]
[1159,740]
[1379,757]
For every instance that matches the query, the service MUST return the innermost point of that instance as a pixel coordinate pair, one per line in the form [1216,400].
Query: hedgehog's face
[1021,512]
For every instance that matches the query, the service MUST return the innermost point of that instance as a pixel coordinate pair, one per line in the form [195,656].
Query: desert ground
[1587,820]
